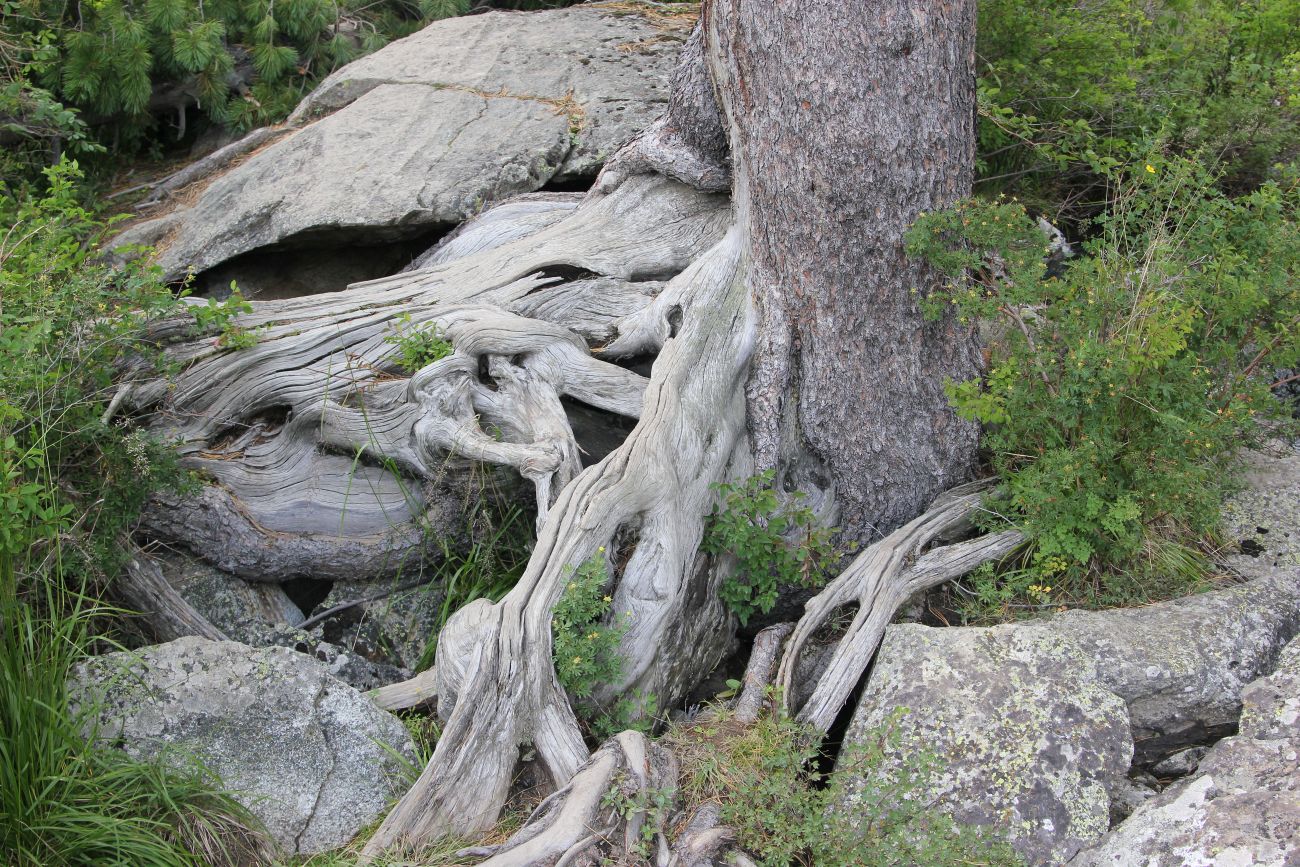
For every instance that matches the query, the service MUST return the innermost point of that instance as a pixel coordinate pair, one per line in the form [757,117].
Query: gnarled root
[326,459]
[497,684]
[879,580]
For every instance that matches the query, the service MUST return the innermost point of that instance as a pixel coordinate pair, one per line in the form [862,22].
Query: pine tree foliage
[244,62]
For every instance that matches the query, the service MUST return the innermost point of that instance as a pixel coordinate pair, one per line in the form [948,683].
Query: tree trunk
[786,335]
[847,120]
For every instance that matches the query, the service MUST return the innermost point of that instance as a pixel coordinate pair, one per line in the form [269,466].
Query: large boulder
[422,134]
[1242,806]
[1181,665]
[1263,518]
[1025,739]
[305,752]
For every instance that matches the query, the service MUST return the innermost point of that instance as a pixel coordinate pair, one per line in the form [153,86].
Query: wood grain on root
[497,683]
[413,692]
[322,450]
[878,581]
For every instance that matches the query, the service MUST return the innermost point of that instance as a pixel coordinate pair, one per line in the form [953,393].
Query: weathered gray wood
[329,463]
[419,690]
[143,587]
[843,122]
[758,672]
[496,681]
[879,580]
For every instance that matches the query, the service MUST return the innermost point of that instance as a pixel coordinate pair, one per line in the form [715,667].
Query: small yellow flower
[573,585]
[601,549]
[1151,169]
[609,599]
[577,660]
[592,636]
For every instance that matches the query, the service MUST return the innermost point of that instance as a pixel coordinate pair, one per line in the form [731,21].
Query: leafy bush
[775,544]
[417,346]
[1068,89]
[71,485]
[220,317]
[1117,393]
[785,812]
[586,650]
[67,327]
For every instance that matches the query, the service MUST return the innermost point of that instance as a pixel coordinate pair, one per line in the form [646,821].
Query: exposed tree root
[329,463]
[879,580]
[496,679]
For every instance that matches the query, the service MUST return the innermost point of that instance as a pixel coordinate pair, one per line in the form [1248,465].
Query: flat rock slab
[1024,737]
[1181,665]
[1264,517]
[1243,805]
[301,749]
[425,132]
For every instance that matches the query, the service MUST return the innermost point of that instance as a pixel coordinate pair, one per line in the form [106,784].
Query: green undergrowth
[68,800]
[1118,392]
[71,484]
[774,540]
[501,541]
[1068,91]
[784,811]
[585,638]
[416,346]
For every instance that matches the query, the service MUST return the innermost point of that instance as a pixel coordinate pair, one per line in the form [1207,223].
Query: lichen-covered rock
[240,609]
[346,662]
[1242,807]
[1025,738]
[1181,665]
[1264,517]
[300,748]
[424,132]
[392,623]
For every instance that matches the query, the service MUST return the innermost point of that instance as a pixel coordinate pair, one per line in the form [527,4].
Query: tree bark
[846,121]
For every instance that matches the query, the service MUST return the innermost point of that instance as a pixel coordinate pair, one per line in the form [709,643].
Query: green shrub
[1067,89]
[764,777]
[244,62]
[775,544]
[68,328]
[1117,393]
[417,346]
[71,484]
[586,650]
[220,317]
[65,800]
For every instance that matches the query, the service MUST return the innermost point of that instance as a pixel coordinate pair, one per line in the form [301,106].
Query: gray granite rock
[1180,764]
[1025,738]
[424,132]
[240,609]
[1263,518]
[1181,665]
[1242,807]
[394,625]
[300,748]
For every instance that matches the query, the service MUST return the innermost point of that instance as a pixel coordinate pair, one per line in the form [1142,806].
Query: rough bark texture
[846,121]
